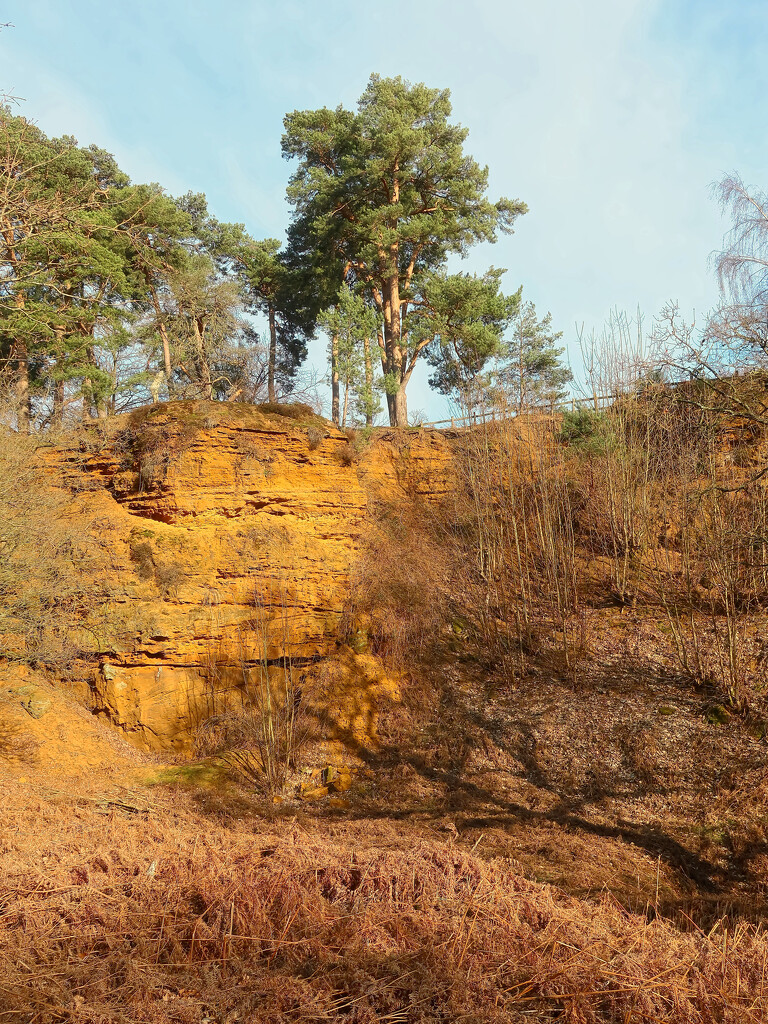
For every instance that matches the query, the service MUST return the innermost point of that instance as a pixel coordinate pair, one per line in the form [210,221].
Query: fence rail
[595,402]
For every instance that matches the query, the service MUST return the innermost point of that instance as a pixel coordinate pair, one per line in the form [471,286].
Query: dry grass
[155,913]
[116,909]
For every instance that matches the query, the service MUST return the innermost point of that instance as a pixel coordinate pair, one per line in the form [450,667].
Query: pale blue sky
[610,118]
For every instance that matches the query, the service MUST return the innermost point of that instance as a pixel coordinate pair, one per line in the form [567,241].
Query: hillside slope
[477,831]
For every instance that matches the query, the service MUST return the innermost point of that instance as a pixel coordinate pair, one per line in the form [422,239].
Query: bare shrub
[290,410]
[151,440]
[149,566]
[51,594]
[402,580]
[315,437]
[261,741]
[347,454]
[713,582]
[516,511]
[142,555]
[260,717]
[168,577]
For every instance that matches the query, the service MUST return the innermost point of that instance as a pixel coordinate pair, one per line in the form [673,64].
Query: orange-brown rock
[42,727]
[227,535]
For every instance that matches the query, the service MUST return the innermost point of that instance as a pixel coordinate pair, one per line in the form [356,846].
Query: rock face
[227,535]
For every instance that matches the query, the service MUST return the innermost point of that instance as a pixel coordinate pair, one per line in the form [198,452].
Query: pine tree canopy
[114,293]
[389,192]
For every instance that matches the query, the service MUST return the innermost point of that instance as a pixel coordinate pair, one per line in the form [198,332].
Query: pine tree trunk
[87,399]
[57,413]
[23,403]
[21,357]
[398,409]
[391,410]
[272,356]
[204,369]
[57,416]
[346,403]
[98,399]
[368,382]
[401,408]
[112,403]
[520,369]
[335,379]
[164,338]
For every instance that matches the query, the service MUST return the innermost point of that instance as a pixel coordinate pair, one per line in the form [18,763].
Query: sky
[611,119]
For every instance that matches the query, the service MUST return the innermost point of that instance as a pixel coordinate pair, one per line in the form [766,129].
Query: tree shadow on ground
[418,788]
[598,807]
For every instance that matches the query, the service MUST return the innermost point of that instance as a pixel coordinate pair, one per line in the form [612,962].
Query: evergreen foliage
[352,324]
[113,293]
[463,319]
[389,194]
[531,373]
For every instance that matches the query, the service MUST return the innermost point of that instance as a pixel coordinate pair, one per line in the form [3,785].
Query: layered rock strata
[227,534]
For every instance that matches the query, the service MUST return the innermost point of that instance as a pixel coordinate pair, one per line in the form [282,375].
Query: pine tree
[390,193]
[531,371]
[157,233]
[58,261]
[463,318]
[101,278]
[270,285]
[351,324]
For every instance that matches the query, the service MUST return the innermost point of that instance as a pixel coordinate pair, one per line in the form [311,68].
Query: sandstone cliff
[226,535]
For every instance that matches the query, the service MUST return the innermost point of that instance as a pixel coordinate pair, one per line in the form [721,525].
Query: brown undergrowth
[120,910]
[646,505]
[581,622]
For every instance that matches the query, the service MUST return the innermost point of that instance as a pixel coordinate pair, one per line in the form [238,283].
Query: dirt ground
[529,850]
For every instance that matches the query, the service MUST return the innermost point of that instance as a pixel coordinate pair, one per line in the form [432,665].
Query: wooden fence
[595,402]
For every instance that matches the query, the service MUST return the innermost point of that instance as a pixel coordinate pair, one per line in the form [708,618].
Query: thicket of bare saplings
[259,714]
[49,611]
[653,501]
